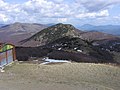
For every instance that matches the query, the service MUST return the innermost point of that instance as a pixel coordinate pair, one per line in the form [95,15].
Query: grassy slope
[69,76]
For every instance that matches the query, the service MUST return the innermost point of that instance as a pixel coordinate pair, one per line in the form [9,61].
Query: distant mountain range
[62,41]
[110,29]
[16,32]
[50,24]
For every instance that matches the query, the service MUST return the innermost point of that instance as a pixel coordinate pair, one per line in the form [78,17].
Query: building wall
[3,60]
[7,55]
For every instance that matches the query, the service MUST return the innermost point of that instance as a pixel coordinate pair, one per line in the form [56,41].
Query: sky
[76,12]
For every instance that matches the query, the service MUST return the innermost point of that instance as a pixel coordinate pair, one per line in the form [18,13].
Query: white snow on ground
[75,48]
[59,48]
[47,61]
[2,69]
[79,50]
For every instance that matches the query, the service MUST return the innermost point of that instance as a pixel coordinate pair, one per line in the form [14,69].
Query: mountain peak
[17,23]
[53,33]
[87,25]
[64,25]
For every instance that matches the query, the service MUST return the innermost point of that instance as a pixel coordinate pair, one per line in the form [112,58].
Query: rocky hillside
[51,34]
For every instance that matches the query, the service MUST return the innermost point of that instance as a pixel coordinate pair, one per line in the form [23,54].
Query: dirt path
[68,76]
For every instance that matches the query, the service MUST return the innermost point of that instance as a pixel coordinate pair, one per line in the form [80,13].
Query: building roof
[5,47]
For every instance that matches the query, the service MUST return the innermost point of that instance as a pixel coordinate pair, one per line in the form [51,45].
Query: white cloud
[53,10]
[103,13]
[3,17]
[58,1]
[96,5]
[62,20]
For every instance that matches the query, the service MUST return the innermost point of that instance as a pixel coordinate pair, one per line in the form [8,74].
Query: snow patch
[59,48]
[47,61]
[65,44]
[95,44]
[53,46]
[2,69]
[79,50]
[75,48]
[111,47]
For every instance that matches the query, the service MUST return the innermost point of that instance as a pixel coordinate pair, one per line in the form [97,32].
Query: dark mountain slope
[67,48]
[76,44]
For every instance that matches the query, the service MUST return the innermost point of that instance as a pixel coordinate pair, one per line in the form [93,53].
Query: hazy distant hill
[2,25]
[95,35]
[110,29]
[16,32]
[50,24]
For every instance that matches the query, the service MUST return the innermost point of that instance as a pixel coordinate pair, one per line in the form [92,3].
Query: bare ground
[67,76]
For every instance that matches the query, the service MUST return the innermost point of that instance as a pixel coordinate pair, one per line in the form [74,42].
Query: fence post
[6,56]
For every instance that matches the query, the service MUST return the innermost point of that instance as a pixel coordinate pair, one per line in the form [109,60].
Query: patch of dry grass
[67,76]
